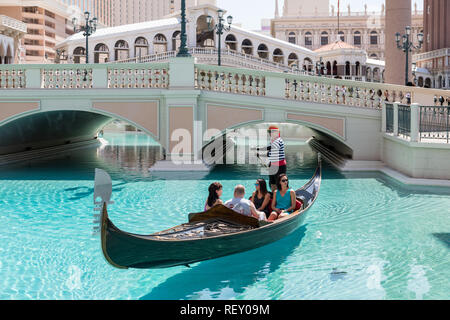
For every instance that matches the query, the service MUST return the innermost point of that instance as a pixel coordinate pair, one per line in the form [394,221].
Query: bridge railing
[80,76]
[210,56]
[185,73]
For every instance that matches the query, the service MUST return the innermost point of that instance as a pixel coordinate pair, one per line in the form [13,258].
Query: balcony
[13,24]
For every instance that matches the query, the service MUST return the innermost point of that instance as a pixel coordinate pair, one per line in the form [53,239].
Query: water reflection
[230,276]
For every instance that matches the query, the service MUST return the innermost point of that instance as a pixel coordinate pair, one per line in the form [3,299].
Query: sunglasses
[256,184]
[284,180]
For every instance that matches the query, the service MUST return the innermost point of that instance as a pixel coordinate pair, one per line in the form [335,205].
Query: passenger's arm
[265,203]
[254,211]
[274,202]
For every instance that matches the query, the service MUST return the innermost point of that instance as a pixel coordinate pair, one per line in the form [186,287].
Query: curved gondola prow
[309,192]
[102,196]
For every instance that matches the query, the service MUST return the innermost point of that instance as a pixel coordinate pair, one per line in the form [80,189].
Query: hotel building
[314,24]
[436,51]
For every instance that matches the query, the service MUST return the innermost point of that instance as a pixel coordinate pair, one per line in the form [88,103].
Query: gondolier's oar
[262,163]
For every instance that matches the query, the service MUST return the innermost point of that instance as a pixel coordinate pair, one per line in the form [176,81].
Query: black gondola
[212,234]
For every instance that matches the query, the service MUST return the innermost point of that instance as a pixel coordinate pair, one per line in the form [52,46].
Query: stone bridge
[44,106]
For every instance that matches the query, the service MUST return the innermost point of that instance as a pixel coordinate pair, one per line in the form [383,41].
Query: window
[308,39]
[357,38]
[341,36]
[324,38]
[374,38]
[292,38]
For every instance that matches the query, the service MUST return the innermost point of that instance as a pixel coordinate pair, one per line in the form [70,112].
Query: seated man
[244,206]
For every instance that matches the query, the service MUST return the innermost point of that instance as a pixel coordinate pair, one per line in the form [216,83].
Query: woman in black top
[261,197]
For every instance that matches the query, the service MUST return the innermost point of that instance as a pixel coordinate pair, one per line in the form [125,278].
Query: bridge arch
[37,128]
[220,119]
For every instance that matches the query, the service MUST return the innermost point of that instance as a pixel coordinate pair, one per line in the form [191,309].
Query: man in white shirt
[244,206]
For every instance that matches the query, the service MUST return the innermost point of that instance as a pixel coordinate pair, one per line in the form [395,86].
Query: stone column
[396,118]
[415,122]
[398,16]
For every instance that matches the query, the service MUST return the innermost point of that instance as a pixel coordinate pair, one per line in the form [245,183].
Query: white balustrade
[64,77]
[138,76]
[12,78]
[229,80]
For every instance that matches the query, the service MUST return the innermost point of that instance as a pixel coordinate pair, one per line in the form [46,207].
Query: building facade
[101,9]
[48,22]
[11,33]
[135,11]
[436,55]
[313,24]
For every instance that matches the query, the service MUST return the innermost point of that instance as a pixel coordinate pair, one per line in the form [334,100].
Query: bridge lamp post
[220,28]
[89,28]
[407,46]
[183,50]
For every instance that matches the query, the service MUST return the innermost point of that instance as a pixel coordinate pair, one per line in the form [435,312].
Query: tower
[398,16]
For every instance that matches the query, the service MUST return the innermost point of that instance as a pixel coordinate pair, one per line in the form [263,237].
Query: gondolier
[276,156]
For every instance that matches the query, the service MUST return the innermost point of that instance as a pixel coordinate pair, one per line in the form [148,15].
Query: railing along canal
[435,123]
[389,118]
[404,120]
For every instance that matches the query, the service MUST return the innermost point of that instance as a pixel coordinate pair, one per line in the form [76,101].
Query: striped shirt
[276,152]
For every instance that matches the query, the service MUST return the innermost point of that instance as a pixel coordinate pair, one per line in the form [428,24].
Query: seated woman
[215,192]
[284,201]
[261,197]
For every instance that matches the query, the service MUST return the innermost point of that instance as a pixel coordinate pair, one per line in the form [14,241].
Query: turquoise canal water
[367,237]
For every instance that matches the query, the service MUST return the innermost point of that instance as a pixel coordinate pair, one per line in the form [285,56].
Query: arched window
[160,43]
[335,69]
[79,55]
[341,36]
[373,56]
[278,56]
[307,64]
[263,51]
[374,37]
[121,50]
[357,38]
[308,38]
[208,43]
[376,75]
[231,42]
[329,70]
[369,74]
[247,47]
[101,53]
[348,68]
[357,68]
[176,40]
[292,59]
[140,47]
[427,83]
[292,38]
[420,82]
[324,38]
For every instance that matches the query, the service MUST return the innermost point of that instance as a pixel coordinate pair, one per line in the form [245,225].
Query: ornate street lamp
[183,50]
[219,27]
[89,28]
[407,46]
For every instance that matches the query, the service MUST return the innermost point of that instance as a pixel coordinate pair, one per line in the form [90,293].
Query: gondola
[208,235]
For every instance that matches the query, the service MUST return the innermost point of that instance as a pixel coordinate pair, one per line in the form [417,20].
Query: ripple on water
[379,236]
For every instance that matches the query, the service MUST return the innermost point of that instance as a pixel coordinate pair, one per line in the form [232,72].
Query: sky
[250,12]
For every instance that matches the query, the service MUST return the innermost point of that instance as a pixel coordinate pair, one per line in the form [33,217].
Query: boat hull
[132,251]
